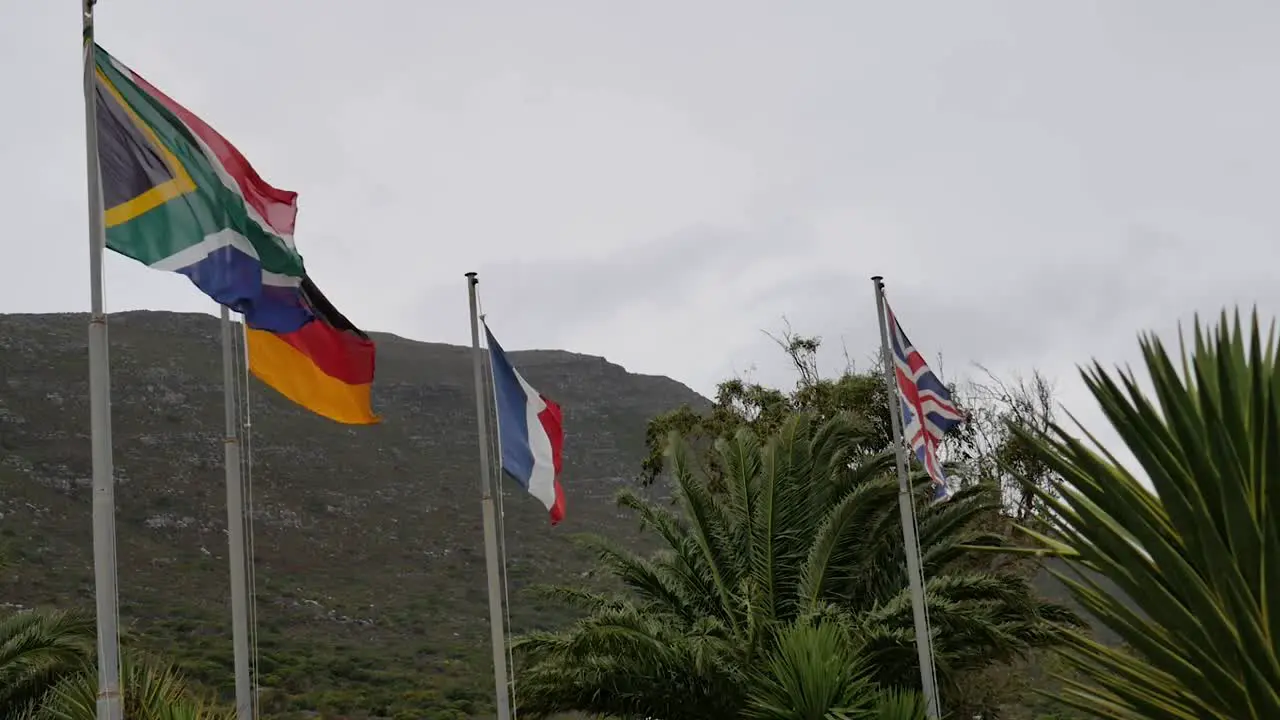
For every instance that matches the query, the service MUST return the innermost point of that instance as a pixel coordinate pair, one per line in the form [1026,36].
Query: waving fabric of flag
[177,196]
[326,366]
[927,409]
[530,432]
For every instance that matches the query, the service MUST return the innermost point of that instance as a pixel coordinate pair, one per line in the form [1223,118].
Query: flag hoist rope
[489,514]
[906,506]
[240,430]
[118,698]
[238,559]
[246,463]
[495,444]
[924,583]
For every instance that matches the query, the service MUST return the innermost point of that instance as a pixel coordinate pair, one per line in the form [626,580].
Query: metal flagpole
[235,526]
[496,622]
[496,484]
[924,647]
[109,705]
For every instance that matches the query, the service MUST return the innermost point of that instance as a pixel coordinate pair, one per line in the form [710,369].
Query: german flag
[326,365]
[179,197]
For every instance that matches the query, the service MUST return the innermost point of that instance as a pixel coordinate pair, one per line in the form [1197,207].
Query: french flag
[530,432]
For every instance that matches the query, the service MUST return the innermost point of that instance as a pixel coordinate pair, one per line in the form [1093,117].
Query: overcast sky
[656,182]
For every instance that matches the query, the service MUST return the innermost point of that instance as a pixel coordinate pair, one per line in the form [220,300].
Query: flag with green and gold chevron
[177,196]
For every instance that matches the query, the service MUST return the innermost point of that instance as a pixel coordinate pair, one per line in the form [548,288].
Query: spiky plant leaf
[813,672]
[899,704]
[1196,556]
[152,690]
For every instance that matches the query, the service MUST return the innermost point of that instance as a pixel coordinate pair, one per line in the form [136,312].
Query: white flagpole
[924,646]
[497,625]
[235,527]
[109,704]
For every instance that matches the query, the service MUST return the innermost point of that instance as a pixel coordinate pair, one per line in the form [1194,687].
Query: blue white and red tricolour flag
[530,432]
[927,409]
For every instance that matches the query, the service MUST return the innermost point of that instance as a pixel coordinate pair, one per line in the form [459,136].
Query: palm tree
[815,670]
[37,651]
[805,527]
[48,671]
[153,691]
[1198,558]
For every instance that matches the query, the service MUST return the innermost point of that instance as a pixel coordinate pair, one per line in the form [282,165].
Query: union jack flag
[927,409]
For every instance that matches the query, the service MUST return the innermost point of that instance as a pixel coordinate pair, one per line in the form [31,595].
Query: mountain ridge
[368,546]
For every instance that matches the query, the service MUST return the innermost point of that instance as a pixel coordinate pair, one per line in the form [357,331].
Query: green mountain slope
[368,547]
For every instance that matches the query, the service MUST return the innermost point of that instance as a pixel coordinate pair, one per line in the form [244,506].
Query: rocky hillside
[368,547]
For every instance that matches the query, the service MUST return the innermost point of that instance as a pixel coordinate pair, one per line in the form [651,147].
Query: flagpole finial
[472,277]
[877,279]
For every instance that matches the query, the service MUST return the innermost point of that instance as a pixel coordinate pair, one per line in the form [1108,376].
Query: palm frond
[37,650]
[578,598]
[836,545]
[707,525]
[815,672]
[794,542]
[641,575]
[627,664]
[152,690]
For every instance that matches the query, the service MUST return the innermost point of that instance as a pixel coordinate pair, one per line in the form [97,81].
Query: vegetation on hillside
[777,591]
[982,451]
[370,582]
[799,527]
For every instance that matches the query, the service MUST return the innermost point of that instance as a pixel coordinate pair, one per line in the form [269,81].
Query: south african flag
[177,196]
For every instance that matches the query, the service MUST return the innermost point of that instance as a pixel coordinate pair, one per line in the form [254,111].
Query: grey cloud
[542,301]
[1037,181]
[1052,315]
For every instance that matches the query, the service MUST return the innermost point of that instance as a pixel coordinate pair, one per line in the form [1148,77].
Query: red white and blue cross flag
[927,409]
